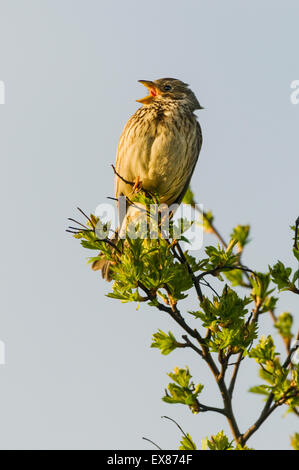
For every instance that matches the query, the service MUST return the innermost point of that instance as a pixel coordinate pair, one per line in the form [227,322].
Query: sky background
[79,371]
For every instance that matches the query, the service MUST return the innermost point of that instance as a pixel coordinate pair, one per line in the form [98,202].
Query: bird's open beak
[153,91]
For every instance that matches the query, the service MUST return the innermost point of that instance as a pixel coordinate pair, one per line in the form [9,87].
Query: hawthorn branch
[189,344]
[172,311]
[217,234]
[181,429]
[152,442]
[203,408]
[218,269]
[204,353]
[235,374]
[190,271]
[131,183]
[203,350]
[269,407]
[267,411]
[291,352]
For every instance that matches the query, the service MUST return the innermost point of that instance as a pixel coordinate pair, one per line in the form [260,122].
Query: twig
[203,408]
[268,409]
[234,374]
[182,431]
[83,213]
[183,260]
[205,354]
[189,344]
[224,268]
[173,312]
[207,284]
[76,222]
[256,311]
[296,234]
[109,242]
[291,352]
[194,279]
[152,442]
[80,229]
[123,179]
[215,232]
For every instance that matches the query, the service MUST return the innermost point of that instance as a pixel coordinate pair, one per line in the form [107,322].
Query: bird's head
[169,89]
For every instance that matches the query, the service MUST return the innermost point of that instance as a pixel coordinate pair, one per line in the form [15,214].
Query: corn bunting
[159,146]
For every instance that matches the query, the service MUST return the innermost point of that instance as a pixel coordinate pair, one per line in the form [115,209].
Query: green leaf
[225,318]
[240,447]
[295,441]
[264,351]
[91,245]
[241,234]
[189,197]
[281,276]
[218,442]
[284,325]
[260,389]
[269,304]
[235,276]
[275,374]
[260,287]
[221,259]
[183,390]
[225,310]
[187,443]
[166,343]
[295,277]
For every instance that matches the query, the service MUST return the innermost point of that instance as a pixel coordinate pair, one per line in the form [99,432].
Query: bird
[158,148]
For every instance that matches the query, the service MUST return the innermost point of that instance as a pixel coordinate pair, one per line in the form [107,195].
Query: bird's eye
[167,88]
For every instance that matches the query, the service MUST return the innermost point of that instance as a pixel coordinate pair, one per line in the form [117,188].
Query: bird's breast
[157,145]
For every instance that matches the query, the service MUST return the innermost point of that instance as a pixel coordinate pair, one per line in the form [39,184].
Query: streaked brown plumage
[159,145]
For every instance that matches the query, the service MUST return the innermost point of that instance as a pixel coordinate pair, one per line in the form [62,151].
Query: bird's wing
[196,151]
[120,157]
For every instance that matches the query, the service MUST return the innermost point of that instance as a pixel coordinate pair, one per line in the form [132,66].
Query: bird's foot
[137,185]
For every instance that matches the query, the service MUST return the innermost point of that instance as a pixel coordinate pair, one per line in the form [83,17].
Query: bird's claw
[137,185]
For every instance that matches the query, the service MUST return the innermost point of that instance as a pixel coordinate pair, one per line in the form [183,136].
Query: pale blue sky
[79,372]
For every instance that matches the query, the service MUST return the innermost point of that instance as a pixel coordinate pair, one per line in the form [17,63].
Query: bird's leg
[137,185]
